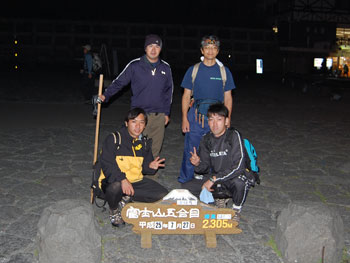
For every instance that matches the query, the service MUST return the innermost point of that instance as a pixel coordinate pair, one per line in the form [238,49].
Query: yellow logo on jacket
[138,147]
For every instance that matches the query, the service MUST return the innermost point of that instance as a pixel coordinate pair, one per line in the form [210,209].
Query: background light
[318,62]
[259,66]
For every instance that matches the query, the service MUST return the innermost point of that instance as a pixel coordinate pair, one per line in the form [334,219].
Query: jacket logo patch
[217,154]
[138,147]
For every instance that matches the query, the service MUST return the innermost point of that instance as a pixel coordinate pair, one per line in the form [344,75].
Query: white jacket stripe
[240,160]
[121,73]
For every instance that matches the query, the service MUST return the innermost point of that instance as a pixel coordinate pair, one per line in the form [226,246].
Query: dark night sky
[205,12]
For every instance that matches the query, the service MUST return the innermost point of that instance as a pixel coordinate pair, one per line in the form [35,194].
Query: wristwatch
[211,179]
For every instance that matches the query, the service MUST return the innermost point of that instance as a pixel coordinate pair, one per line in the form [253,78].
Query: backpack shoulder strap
[223,76]
[206,140]
[194,75]
[117,143]
[229,135]
[222,72]
[147,142]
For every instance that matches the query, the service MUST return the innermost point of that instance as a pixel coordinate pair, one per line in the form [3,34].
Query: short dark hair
[219,109]
[133,113]
[212,40]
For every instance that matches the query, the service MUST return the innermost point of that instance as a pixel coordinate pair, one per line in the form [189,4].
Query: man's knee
[161,194]
[194,186]
[113,188]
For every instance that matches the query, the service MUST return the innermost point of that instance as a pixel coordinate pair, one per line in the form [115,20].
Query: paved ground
[46,153]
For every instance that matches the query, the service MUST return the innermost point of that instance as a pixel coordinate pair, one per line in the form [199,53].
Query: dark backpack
[98,177]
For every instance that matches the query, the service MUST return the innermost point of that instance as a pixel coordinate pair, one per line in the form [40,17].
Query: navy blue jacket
[151,85]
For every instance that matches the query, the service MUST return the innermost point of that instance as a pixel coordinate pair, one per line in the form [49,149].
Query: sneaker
[237,216]
[237,209]
[116,217]
[198,176]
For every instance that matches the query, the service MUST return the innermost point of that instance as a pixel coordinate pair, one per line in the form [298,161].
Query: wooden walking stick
[98,116]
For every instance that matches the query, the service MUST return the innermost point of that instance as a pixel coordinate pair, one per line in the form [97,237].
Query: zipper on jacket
[132,147]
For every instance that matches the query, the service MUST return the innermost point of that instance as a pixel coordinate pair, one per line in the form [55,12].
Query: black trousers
[146,190]
[88,86]
[236,188]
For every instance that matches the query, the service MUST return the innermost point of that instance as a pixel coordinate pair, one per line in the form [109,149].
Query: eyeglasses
[210,47]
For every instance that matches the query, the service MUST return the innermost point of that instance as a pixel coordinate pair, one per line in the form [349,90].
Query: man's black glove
[96,99]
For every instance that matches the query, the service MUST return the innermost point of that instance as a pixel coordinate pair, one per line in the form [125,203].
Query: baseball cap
[87,47]
[153,39]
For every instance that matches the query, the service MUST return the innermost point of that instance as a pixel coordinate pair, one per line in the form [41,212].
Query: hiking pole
[98,116]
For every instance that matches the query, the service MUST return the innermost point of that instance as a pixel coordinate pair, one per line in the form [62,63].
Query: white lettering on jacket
[213,153]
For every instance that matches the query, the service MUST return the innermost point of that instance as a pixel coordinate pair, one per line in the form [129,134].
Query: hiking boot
[116,217]
[221,202]
[125,199]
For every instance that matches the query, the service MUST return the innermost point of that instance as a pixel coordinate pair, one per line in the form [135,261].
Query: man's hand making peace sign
[195,160]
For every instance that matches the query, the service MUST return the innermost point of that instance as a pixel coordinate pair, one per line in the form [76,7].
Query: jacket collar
[125,132]
[148,63]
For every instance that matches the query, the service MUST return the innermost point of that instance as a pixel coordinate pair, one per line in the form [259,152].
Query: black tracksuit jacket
[223,157]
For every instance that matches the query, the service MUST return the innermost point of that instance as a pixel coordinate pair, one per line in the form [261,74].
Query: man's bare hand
[185,125]
[166,121]
[195,160]
[157,163]
[127,187]
[208,184]
[102,97]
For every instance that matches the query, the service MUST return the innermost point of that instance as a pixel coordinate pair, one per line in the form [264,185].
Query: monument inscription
[179,213]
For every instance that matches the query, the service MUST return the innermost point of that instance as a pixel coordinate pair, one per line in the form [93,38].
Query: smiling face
[152,52]
[217,124]
[210,51]
[136,126]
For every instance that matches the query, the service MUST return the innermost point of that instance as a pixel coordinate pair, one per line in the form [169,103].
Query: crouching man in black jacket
[126,156]
[221,159]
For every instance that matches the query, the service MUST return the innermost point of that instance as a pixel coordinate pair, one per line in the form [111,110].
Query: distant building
[309,30]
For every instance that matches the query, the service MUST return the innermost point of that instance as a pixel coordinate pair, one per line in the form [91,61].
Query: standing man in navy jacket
[152,89]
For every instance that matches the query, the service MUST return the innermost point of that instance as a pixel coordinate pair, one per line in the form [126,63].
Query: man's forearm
[186,98]
[228,102]
[185,106]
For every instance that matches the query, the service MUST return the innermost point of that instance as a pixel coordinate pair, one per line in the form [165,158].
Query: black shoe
[125,199]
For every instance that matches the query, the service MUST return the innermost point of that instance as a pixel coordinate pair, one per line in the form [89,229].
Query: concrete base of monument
[179,213]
